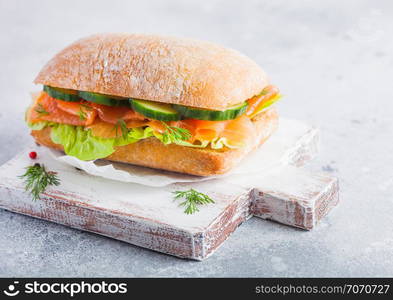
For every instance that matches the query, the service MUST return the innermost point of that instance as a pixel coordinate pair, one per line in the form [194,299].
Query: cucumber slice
[230,113]
[155,110]
[62,94]
[102,99]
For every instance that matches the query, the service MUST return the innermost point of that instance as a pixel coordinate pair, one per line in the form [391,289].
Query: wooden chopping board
[149,217]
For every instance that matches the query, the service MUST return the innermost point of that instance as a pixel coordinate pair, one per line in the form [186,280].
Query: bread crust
[164,69]
[202,162]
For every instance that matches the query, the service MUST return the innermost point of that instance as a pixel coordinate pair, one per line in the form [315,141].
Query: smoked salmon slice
[205,130]
[83,110]
[137,123]
[45,108]
[258,101]
[111,114]
[104,130]
[239,132]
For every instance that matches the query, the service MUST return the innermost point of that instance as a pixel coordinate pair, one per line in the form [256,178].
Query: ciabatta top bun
[163,69]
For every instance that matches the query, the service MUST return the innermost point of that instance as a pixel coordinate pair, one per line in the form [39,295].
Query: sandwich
[168,103]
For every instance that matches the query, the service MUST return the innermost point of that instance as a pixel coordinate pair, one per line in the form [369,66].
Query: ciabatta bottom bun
[152,153]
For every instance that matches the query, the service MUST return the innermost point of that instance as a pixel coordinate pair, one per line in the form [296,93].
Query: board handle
[294,197]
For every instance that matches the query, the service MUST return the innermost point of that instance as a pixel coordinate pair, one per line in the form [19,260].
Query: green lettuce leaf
[221,143]
[134,135]
[39,125]
[80,143]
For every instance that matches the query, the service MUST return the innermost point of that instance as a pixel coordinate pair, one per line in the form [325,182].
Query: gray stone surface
[332,61]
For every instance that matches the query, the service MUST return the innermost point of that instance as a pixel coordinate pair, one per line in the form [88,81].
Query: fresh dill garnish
[173,134]
[40,109]
[37,179]
[193,199]
[82,111]
[122,126]
[82,114]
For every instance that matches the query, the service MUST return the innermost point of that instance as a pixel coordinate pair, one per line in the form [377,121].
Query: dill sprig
[173,134]
[193,199]
[82,111]
[82,114]
[121,124]
[40,109]
[37,179]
